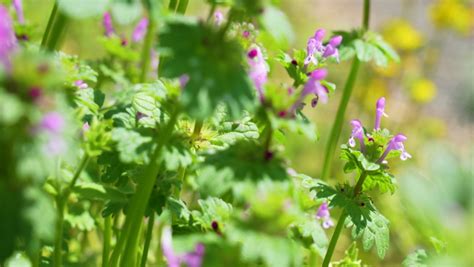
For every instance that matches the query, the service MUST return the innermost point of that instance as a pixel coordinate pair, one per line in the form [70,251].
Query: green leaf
[83,221]
[418,258]
[351,258]
[300,125]
[213,64]
[276,23]
[133,147]
[95,191]
[213,209]
[11,108]
[82,9]
[178,209]
[375,233]
[126,12]
[312,235]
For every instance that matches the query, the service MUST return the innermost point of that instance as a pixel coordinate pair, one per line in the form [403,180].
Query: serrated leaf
[312,235]
[375,233]
[417,258]
[213,209]
[95,191]
[213,65]
[132,146]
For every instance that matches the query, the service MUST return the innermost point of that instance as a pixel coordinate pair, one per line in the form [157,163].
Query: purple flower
[357,133]
[140,30]
[52,122]
[246,34]
[331,47]
[324,215]
[8,41]
[17,4]
[313,86]
[191,259]
[80,84]
[107,23]
[380,111]
[315,44]
[218,18]
[183,80]
[396,143]
[35,93]
[258,70]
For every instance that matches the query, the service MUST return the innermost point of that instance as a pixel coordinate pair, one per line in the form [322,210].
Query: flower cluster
[315,47]
[359,134]
[8,42]
[191,259]
[137,35]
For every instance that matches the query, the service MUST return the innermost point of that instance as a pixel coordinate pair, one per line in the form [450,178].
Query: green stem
[141,197]
[346,95]
[149,232]
[107,238]
[50,23]
[147,46]
[340,223]
[82,165]
[58,242]
[173,4]
[55,30]
[182,6]
[211,12]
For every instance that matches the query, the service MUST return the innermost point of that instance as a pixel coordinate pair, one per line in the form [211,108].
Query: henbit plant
[168,149]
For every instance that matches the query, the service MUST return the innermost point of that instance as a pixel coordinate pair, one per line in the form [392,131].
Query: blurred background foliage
[429,96]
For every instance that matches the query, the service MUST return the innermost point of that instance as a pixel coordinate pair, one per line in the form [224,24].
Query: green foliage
[213,64]
[82,9]
[369,47]
[310,233]
[275,22]
[375,233]
[416,259]
[213,210]
[351,258]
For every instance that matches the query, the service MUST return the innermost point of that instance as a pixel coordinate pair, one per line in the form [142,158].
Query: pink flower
[396,143]
[258,71]
[140,30]
[331,47]
[80,84]
[8,42]
[191,259]
[17,4]
[357,133]
[107,23]
[218,18]
[324,215]
[379,112]
[52,122]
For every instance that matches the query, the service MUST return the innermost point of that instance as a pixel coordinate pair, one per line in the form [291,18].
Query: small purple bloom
[80,84]
[85,127]
[52,122]
[183,80]
[324,215]
[8,42]
[218,18]
[107,23]
[313,86]
[258,70]
[331,47]
[35,93]
[246,34]
[315,44]
[17,4]
[396,143]
[191,259]
[357,133]
[140,30]
[380,111]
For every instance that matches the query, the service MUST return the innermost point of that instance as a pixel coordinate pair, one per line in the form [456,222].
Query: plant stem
[61,200]
[340,222]
[54,31]
[211,12]
[147,46]
[107,237]
[140,199]
[149,232]
[337,126]
[58,241]
[183,4]
[341,111]
[172,5]
[50,23]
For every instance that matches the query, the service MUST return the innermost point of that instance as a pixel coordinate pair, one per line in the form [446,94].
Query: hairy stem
[341,111]
[129,239]
[147,46]
[107,237]
[340,222]
[55,29]
[149,232]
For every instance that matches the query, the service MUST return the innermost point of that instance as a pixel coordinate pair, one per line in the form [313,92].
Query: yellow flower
[423,90]
[452,14]
[402,35]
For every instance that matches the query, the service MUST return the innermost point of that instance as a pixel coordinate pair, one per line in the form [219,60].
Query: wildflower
[8,40]
[52,122]
[218,18]
[357,133]
[246,34]
[315,44]
[108,26]
[331,47]
[379,112]
[80,84]
[17,4]
[183,80]
[314,86]
[140,30]
[324,215]
[258,70]
[396,143]
[191,259]
[35,93]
